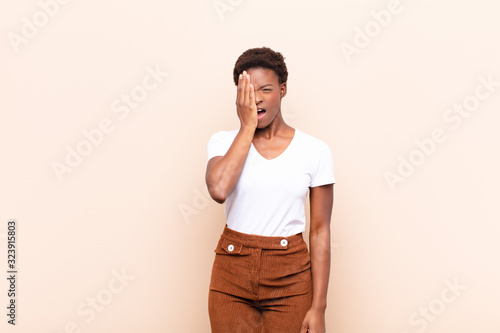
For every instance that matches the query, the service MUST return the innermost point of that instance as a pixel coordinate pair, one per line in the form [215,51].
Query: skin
[260,88]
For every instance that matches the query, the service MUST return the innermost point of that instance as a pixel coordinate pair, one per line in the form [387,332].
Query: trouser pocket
[232,268]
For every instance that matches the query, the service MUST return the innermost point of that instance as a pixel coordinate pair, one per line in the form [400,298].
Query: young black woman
[264,279]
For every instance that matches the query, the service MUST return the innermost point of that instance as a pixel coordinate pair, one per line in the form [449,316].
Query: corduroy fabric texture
[259,284]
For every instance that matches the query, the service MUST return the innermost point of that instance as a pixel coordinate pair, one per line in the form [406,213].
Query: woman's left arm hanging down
[321,205]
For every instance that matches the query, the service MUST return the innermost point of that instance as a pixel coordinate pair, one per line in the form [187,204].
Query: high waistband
[264,242]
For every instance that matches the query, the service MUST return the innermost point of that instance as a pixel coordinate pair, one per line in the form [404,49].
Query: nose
[258,98]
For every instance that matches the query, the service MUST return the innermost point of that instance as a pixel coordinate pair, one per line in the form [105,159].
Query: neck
[277,127]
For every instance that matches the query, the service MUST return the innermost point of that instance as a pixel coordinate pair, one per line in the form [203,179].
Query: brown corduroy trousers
[259,284]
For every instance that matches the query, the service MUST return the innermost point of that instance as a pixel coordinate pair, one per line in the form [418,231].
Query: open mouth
[261,113]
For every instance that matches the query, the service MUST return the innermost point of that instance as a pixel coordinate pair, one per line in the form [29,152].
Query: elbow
[217,194]
[318,227]
[218,199]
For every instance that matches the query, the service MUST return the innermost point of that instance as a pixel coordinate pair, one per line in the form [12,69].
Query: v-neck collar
[282,153]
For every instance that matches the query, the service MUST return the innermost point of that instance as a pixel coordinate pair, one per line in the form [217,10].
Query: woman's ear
[283,90]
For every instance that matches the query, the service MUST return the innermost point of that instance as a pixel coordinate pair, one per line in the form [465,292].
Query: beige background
[138,204]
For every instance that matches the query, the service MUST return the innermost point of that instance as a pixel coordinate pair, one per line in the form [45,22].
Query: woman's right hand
[245,101]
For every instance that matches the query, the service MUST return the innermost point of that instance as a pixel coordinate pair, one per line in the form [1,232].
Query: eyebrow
[269,84]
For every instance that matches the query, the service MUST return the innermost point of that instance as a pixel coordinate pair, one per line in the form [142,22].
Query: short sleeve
[324,173]
[217,145]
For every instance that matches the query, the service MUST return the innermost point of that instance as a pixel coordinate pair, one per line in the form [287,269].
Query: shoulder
[224,135]
[312,142]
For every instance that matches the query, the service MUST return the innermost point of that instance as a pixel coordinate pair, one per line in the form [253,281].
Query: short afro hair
[261,57]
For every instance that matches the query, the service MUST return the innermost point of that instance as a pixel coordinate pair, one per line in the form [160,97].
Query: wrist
[320,307]
[247,129]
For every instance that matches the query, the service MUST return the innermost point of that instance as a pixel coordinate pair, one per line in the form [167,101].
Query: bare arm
[321,204]
[223,172]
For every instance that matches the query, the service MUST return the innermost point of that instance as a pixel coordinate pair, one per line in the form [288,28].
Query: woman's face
[268,94]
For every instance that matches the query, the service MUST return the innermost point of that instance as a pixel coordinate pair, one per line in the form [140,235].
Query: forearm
[223,176]
[319,241]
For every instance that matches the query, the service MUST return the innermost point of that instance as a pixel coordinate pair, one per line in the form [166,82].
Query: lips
[260,113]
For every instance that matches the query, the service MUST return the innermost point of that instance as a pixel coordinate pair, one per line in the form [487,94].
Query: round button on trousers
[259,284]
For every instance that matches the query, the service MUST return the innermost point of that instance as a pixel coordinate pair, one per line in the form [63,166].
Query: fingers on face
[241,95]
[252,94]
[241,86]
[245,89]
[241,83]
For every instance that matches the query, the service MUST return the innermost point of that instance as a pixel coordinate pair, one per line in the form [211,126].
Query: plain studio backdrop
[106,111]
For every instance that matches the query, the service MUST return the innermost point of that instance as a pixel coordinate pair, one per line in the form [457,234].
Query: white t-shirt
[270,196]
